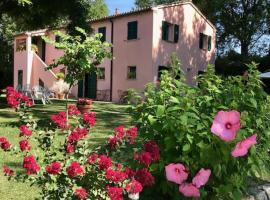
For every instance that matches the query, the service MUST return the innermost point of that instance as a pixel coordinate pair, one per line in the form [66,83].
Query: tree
[82,54]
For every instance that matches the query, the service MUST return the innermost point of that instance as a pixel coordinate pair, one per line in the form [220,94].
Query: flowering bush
[21,104]
[75,171]
[211,138]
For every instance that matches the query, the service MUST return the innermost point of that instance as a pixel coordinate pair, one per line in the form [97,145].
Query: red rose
[30,164]
[24,145]
[134,187]
[144,177]
[5,145]
[115,176]
[60,120]
[143,158]
[89,118]
[115,193]
[7,171]
[77,134]
[75,169]
[153,149]
[54,168]
[104,162]
[24,131]
[130,172]
[81,193]
[92,158]
[132,134]
[70,148]
[73,110]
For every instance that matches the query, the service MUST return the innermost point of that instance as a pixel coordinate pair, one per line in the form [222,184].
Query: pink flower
[201,177]
[226,124]
[104,162]
[31,165]
[7,171]
[242,147]
[115,193]
[176,173]
[189,190]
[24,131]
[75,169]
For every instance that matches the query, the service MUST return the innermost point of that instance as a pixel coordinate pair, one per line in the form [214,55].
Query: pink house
[143,41]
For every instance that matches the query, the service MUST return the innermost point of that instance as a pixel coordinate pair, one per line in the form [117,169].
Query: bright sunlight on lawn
[108,116]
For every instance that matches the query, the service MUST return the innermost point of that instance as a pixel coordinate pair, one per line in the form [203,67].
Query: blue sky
[122,5]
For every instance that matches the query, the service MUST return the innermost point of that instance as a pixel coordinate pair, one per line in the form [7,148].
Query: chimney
[116,11]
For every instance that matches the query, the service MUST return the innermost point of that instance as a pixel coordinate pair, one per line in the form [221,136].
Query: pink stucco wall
[132,53]
[191,24]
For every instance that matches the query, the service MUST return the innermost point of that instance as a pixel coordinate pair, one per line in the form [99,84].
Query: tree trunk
[244,48]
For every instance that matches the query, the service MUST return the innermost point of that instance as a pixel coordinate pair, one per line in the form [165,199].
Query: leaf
[186,147]
[151,119]
[160,110]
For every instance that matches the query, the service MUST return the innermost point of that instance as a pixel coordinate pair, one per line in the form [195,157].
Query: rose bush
[76,169]
[212,138]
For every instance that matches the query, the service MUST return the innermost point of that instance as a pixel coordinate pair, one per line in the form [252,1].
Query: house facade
[143,41]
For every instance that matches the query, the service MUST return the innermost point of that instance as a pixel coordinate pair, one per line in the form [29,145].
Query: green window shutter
[201,41]
[132,30]
[80,88]
[102,30]
[209,43]
[176,33]
[165,31]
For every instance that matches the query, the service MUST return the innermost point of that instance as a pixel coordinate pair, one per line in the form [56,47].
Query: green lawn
[108,116]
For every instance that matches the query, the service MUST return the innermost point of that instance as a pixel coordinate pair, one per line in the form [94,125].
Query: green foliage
[60,75]
[82,53]
[179,117]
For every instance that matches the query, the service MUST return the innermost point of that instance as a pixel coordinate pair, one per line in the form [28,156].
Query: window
[131,72]
[160,70]
[102,30]
[20,79]
[132,30]
[41,83]
[170,32]
[101,73]
[57,38]
[20,44]
[205,42]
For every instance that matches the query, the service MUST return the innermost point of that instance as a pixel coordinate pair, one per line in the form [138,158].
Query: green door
[91,85]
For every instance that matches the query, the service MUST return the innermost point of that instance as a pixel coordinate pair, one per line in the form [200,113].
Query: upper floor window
[205,42]
[132,30]
[20,44]
[132,74]
[170,32]
[102,30]
[101,73]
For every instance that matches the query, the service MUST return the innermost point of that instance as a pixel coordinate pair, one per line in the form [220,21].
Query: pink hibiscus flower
[241,148]
[176,173]
[226,124]
[201,177]
[189,190]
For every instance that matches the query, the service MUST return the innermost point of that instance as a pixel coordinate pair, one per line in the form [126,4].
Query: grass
[108,116]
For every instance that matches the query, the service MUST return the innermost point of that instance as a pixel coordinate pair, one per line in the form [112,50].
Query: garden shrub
[76,169]
[199,129]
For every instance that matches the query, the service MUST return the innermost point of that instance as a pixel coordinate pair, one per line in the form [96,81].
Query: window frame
[132,30]
[103,31]
[170,32]
[130,74]
[99,70]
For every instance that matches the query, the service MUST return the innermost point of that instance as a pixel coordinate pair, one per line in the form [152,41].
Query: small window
[20,78]
[132,30]
[20,44]
[132,74]
[41,83]
[101,73]
[205,42]
[57,38]
[160,70]
[170,32]
[102,30]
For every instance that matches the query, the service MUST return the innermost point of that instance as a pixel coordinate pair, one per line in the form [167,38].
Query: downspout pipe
[111,75]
